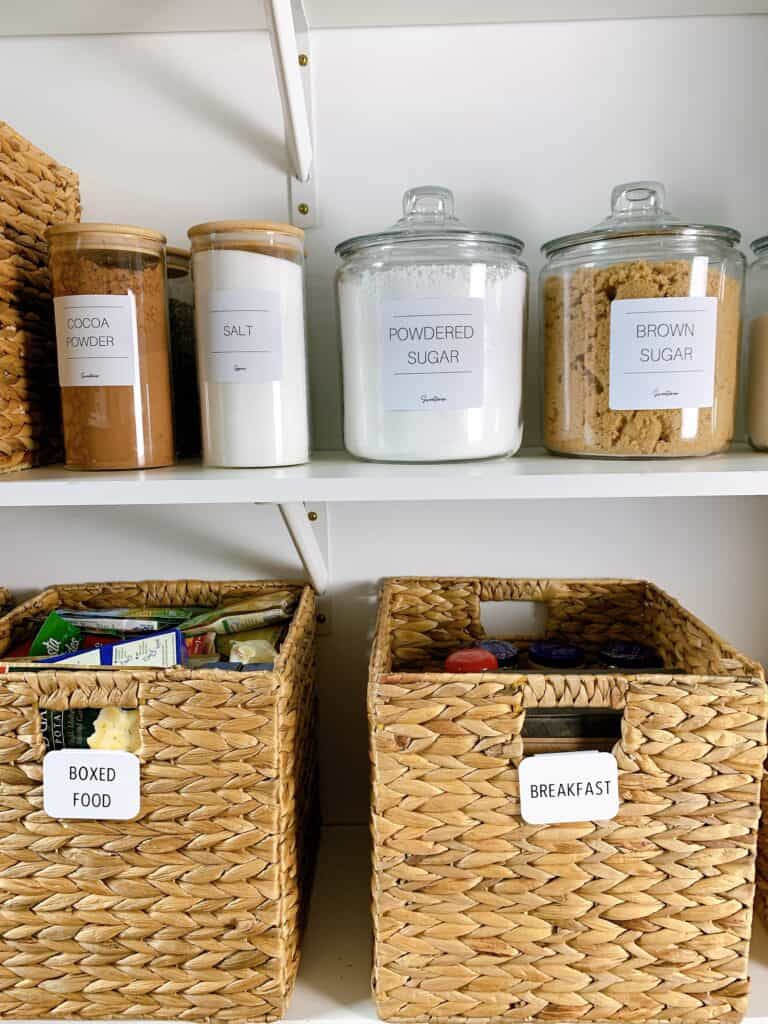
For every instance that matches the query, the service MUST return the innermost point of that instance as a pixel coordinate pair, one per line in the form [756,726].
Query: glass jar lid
[759,245]
[108,237]
[177,261]
[427,217]
[637,211]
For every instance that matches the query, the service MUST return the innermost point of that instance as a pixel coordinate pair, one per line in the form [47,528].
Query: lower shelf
[334,978]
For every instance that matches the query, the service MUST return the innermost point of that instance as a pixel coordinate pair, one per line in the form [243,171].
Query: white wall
[530,125]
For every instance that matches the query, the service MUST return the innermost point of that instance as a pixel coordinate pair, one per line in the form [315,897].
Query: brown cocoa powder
[101,427]
[577,325]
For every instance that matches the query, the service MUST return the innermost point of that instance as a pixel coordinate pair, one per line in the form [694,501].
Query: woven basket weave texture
[35,192]
[194,910]
[479,916]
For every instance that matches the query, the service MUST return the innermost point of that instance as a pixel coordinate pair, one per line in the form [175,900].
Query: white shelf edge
[334,976]
[84,17]
[330,477]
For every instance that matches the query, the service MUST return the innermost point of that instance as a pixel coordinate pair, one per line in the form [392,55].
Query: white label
[100,784]
[244,337]
[663,353]
[96,340]
[149,651]
[432,353]
[580,786]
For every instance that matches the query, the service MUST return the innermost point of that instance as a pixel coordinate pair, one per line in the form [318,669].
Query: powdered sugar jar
[432,327]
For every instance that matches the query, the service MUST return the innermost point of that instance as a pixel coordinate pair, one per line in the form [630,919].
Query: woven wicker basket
[194,910]
[35,192]
[480,916]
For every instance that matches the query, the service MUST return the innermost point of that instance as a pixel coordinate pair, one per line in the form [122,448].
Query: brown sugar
[577,327]
[120,426]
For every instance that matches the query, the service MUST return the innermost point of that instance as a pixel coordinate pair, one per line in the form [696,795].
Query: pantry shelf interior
[334,476]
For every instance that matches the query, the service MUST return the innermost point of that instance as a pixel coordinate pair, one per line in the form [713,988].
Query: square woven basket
[479,916]
[194,910]
[35,192]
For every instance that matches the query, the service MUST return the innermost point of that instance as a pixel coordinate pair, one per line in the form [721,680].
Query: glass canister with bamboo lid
[249,315]
[110,301]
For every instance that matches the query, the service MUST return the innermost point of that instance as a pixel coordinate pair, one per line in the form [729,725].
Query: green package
[56,636]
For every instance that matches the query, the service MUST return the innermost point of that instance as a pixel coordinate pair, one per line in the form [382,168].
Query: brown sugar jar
[641,324]
[110,301]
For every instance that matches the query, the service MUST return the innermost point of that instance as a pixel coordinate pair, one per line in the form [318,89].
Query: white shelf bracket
[304,523]
[289,33]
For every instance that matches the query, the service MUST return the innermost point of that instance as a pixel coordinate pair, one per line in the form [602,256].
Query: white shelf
[334,977]
[339,477]
[52,17]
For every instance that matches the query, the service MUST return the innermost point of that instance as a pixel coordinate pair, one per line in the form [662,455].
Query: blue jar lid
[556,654]
[626,654]
[505,652]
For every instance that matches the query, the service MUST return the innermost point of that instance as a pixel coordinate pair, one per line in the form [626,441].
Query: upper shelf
[75,17]
[338,477]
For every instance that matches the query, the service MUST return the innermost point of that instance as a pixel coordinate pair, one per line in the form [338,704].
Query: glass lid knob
[428,206]
[638,200]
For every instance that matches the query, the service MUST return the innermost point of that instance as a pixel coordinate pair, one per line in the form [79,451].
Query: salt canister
[432,327]
[249,315]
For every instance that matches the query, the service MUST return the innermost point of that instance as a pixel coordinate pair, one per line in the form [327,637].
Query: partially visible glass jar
[641,319]
[110,301]
[181,317]
[432,326]
[757,341]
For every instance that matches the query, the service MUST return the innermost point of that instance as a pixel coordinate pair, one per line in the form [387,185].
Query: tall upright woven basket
[194,910]
[479,916]
[35,192]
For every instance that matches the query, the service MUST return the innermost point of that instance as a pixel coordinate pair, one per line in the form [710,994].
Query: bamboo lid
[98,235]
[177,261]
[212,227]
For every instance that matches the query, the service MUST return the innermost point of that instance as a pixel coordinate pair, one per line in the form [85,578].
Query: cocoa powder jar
[110,302]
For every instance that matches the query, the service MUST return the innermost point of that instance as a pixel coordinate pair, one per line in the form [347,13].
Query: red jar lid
[473,659]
